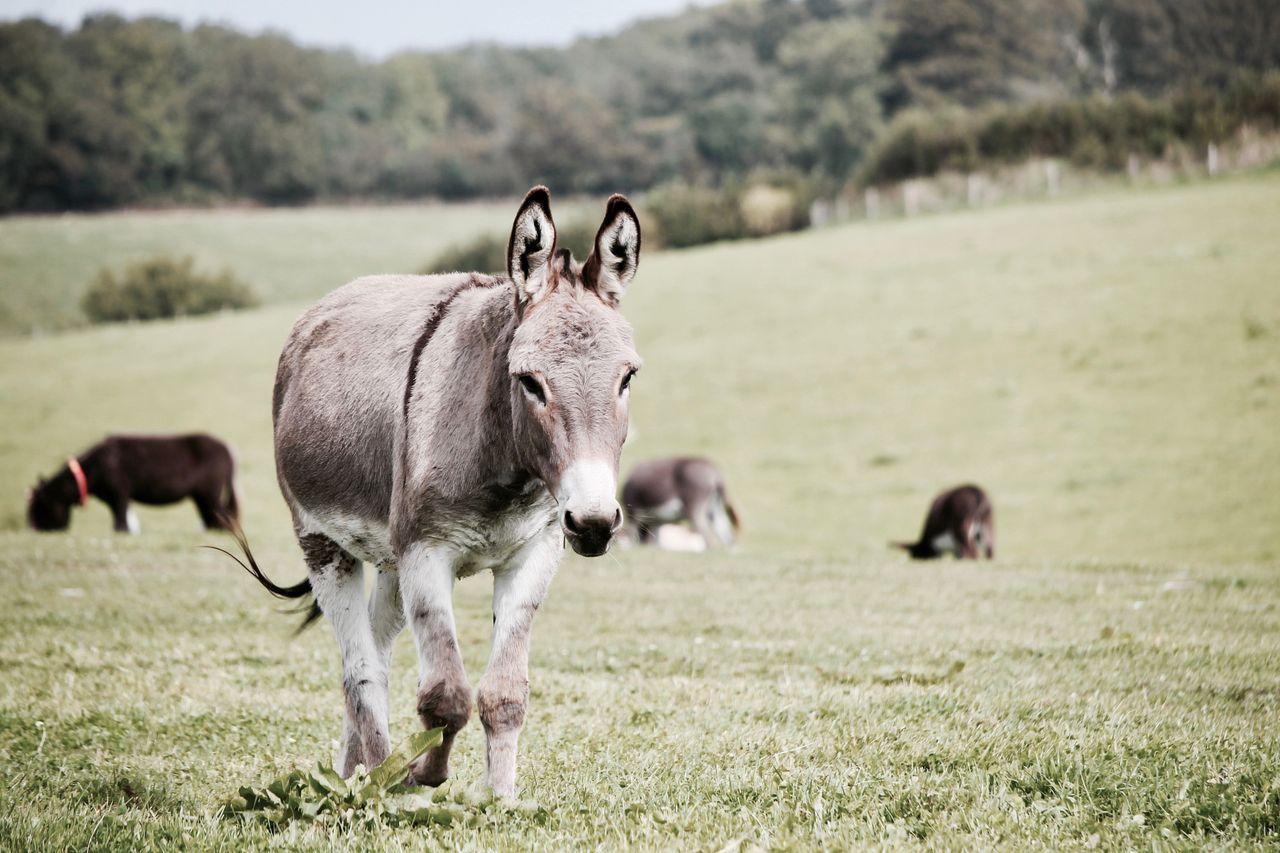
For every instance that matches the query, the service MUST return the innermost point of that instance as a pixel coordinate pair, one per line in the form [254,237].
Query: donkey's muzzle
[590,534]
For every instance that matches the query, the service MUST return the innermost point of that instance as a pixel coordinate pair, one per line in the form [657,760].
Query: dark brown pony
[960,522]
[160,469]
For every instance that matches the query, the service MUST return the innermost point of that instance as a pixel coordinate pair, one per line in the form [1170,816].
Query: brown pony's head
[571,363]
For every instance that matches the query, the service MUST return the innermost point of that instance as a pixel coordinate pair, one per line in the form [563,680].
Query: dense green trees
[142,111]
[973,52]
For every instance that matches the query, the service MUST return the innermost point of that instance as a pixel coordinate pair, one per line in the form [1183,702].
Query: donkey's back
[340,398]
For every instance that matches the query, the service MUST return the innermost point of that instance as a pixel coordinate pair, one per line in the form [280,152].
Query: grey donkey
[668,491]
[439,426]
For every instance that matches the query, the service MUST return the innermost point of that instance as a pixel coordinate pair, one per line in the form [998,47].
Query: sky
[376,28]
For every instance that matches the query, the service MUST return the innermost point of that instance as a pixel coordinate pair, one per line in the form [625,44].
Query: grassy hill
[1107,367]
[286,254]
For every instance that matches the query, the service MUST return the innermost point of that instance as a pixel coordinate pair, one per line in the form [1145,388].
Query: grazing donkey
[438,426]
[960,522]
[668,491]
[149,469]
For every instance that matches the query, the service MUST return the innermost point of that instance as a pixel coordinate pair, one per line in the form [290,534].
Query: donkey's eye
[626,382]
[532,388]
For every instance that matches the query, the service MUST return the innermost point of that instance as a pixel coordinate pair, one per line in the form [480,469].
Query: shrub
[767,210]
[1088,131]
[766,203]
[689,216]
[578,236]
[488,252]
[162,287]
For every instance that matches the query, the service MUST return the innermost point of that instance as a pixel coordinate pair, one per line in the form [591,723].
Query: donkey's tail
[250,565]
[730,510]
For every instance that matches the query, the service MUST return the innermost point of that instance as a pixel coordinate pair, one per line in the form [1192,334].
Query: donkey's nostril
[571,524]
[617,520]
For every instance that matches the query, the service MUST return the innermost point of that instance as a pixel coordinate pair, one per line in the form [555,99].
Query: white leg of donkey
[385,621]
[427,573]
[503,697]
[337,579]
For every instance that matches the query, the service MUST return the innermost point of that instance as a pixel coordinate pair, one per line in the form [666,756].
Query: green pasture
[1108,367]
[286,255]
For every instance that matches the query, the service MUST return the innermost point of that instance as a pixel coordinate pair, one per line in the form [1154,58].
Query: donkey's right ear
[533,240]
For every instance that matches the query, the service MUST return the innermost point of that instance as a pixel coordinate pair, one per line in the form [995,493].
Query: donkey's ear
[533,239]
[616,254]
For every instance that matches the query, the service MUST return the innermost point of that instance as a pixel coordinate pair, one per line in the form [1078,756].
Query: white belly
[677,537]
[495,542]
[481,543]
[362,538]
[946,543]
[667,512]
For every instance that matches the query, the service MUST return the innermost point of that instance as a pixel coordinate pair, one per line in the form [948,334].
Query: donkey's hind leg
[337,580]
[702,519]
[721,523]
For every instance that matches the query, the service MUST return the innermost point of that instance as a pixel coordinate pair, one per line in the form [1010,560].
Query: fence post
[972,190]
[1133,167]
[871,199]
[1212,160]
[818,213]
[1051,176]
[910,198]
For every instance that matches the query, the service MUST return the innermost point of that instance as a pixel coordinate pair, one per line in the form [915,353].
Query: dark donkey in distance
[439,426]
[960,522]
[149,469]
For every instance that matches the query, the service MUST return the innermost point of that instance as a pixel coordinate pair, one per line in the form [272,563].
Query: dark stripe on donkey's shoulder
[439,311]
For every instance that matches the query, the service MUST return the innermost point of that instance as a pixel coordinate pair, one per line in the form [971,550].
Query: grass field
[1108,367]
[47,262]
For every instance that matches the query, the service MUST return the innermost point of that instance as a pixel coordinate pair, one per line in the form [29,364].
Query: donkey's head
[571,363]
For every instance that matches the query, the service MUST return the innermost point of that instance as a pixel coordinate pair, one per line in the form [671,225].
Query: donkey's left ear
[616,254]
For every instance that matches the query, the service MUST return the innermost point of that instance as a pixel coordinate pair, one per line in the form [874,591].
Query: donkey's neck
[505,420]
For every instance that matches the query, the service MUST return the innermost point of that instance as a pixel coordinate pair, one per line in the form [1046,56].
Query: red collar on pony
[81,481]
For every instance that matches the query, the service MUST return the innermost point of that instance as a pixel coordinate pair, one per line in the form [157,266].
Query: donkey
[960,522]
[667,491]
[150,469]
[438,426]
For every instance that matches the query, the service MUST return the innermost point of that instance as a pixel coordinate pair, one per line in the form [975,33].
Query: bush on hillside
[674,215]
[162,287]
[684,215]
[1092,132]
[487,253]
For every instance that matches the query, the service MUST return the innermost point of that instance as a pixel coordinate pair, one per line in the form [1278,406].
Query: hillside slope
[1108,367]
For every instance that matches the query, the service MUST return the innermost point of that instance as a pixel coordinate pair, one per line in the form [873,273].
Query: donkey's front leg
[427,573]
[518,590]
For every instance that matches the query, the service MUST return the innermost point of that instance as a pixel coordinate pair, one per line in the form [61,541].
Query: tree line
[119,112]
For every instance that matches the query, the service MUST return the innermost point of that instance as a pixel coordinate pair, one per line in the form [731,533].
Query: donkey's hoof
[424,771]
